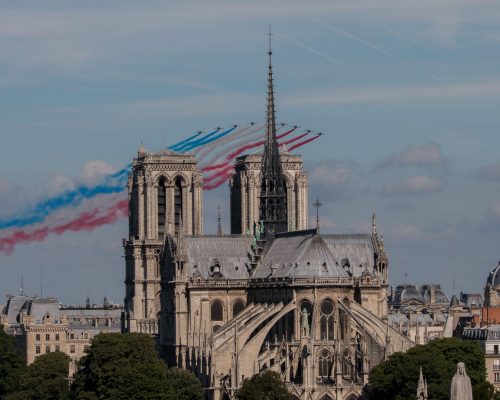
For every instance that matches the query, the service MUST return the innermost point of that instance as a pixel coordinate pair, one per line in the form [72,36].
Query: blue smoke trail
[114,183]
[206,139]
[187,146]
[183,142]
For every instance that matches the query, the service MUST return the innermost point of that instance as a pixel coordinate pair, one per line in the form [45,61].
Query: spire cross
[317,204]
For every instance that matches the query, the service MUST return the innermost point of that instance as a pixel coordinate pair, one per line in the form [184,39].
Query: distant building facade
[489,339]
[42,326]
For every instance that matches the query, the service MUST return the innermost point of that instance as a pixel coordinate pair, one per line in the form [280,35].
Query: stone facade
[489,339]
[245,192]
[165,197]
[41,326]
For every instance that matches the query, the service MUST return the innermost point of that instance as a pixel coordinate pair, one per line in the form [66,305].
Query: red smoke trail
[242,149]
[227,172]
[224,176]
[303,142]
[294,139]
[86,221]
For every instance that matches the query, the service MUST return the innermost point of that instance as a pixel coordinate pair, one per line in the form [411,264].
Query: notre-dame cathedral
[271,295]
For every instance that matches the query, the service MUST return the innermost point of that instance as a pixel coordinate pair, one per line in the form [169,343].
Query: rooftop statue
[461,388]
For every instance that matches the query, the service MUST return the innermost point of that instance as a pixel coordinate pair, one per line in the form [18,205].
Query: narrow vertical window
[162,208]
[178,205]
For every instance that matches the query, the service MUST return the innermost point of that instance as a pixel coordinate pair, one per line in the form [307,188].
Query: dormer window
[215,269]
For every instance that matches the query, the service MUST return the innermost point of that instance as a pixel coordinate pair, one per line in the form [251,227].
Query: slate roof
[356,248]
[306,253]
[229,251]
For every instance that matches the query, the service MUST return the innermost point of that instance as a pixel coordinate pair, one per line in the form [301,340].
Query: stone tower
[245,192]
[165,197]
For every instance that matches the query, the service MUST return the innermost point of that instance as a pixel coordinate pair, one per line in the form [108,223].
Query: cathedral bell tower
[165,198]
[273,199]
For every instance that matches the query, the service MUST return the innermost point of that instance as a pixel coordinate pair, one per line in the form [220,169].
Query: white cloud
[428,155]
[414,186]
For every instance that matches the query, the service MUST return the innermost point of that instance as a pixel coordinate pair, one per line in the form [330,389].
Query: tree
[11,364]
[127,367]
[397,378]
[44,379]
[183,385]
[266,386]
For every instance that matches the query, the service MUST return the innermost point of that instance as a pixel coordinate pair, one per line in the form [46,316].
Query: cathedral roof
[309,254]
[229,252]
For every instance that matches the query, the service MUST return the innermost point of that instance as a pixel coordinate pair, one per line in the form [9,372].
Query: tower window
[162,208]
[178,204]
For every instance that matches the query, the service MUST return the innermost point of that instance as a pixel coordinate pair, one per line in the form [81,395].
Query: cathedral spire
[273,208]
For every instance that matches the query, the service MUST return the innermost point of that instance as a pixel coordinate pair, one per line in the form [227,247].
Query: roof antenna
[317,204]
[22,285]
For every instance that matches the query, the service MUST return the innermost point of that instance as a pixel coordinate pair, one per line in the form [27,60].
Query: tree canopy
[266,386]
[11,364]
[44,379]
[397,378]
[127,367]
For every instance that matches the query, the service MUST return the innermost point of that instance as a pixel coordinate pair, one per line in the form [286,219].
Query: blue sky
[407,94]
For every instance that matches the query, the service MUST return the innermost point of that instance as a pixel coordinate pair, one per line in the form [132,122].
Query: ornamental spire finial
[273,206]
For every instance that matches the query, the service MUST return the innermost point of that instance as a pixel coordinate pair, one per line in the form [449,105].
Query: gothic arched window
[217,311]
[327,310]
[343,324]
[238,307]
[162,207]
[178,204]
[325,365]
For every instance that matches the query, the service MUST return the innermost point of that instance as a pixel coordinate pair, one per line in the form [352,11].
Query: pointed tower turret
[273,207]
[422,387]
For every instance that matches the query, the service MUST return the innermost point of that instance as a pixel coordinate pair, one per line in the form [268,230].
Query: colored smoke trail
[222,176]
[186,143]
[205,150]
[297,145]
[113,184]
[244,148]
[206,140]
[249,138]
[183,142]
[86,221]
